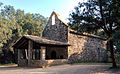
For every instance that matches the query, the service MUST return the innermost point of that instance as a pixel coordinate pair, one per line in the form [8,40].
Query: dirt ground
[61,69]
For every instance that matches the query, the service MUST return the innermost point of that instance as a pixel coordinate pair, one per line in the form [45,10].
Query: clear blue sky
[44,7]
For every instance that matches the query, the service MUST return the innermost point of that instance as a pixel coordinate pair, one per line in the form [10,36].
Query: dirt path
[62,69]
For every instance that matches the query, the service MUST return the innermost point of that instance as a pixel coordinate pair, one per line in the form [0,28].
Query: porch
[34,51]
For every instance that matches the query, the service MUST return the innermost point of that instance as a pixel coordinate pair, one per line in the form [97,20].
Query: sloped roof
[44,40]
[86,34]
[40,40]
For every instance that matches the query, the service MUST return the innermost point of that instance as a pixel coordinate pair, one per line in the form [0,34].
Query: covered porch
[34,51]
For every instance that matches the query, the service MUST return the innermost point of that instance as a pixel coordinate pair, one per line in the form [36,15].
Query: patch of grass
[7,64]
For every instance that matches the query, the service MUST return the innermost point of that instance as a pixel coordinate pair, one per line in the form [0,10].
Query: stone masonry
[84,48]
[58,32]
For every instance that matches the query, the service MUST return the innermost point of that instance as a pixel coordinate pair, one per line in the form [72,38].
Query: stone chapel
[59,44]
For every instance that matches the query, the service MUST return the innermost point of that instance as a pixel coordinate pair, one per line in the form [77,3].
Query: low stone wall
[40,63]
[22,62]
[56,62]
[37,63]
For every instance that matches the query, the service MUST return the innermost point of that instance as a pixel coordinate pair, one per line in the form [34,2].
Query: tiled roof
[44,40]
[40,40]
[86,34]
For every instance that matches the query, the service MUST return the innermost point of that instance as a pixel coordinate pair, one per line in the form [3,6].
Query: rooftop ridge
[86,34]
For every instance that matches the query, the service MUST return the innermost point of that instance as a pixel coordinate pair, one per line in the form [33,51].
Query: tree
[34,24]
[116,39]
[95,15]
[13,25]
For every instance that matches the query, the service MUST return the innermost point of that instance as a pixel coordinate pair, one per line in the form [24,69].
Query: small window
[53,20]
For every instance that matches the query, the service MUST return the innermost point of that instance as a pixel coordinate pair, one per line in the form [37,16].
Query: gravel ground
[61,69]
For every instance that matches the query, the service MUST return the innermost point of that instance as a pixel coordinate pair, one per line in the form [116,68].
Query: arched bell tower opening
[53,19]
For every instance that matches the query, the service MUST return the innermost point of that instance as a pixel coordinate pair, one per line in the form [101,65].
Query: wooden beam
[30,47]
[18,56]
[24,41]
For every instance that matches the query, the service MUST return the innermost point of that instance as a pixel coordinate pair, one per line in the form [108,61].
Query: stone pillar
[18,56]
[30,46]
[43,51]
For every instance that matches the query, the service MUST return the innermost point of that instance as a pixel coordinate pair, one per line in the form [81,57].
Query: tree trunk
[112,54]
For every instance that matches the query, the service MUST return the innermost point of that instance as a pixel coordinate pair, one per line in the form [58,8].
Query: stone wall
[83,48]
[46,63]
[86,49]
[56,62]
[38,63]
[22,62]
[58,31]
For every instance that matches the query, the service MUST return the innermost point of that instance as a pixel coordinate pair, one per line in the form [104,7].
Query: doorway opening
[53,55]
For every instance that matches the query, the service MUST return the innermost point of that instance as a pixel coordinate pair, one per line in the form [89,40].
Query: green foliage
[101,17]
[96,16]
[14,24]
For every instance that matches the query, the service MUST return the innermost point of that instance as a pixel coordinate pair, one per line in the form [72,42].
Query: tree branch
[102,24]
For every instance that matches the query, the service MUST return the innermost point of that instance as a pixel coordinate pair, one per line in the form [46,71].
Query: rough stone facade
[84,48]
[22,62]
[46,63]
[41,63]
[58,31]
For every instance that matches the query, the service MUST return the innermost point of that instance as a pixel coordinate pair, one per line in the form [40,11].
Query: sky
[45,7]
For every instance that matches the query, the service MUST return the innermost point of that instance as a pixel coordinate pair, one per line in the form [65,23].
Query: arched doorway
[53,55]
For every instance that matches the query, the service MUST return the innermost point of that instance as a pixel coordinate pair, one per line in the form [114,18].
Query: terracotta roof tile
[44,40]
[86,34]
[40,40]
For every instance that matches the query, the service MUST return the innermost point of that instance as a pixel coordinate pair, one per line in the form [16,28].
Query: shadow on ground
[61,69]
[105,70]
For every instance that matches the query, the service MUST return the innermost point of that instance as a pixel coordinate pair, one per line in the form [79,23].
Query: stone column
[43,50]
[18,57]
[30,46]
